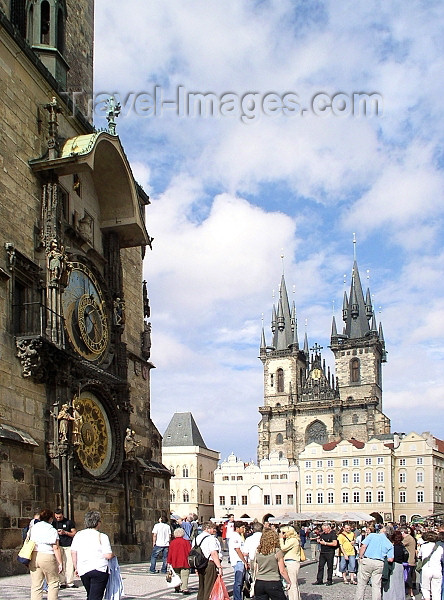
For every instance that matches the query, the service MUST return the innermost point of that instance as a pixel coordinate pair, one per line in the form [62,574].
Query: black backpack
[196,558]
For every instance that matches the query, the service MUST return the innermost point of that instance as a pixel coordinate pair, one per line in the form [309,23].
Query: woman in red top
[178,558]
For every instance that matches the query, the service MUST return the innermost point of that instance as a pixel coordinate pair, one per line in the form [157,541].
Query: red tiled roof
[357,443]
[332,445]
[439,445]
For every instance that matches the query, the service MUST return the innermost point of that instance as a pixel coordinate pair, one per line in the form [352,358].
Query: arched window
[354,370]
[185,471]
[280,380]
[186,496]
[279,439]
[45,22]
[60,31]
[316,432]
[281,455]
[172,470]
[172,496]
[355,419]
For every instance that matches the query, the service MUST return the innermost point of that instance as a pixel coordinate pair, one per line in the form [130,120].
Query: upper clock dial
[85,314]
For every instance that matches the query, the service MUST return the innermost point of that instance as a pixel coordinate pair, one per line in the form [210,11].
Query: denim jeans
[239,572]
[154,554]
[95,584]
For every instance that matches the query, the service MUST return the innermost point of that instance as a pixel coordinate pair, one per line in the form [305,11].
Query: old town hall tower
[303,400]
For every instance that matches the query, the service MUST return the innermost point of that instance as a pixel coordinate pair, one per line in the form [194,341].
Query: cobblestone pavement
[140,585]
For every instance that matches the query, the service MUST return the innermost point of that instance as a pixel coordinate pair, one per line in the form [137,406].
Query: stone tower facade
[303,401]
[75,425]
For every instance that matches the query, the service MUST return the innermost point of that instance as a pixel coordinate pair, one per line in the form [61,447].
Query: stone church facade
[75,425]
[303,401]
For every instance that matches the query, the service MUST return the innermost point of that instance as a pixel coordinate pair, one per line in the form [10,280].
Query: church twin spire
[283,323]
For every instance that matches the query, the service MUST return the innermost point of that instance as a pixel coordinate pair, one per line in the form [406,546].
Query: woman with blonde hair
[291,547]
[269,567]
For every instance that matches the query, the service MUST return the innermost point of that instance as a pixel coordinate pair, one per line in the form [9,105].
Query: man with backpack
[208,544]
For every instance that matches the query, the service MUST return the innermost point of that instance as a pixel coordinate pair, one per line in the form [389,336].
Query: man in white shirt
[211,549]
[161,541]
[252,541]
[237,558]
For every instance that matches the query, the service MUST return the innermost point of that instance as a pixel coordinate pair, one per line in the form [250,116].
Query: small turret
[368,304]
[345,307]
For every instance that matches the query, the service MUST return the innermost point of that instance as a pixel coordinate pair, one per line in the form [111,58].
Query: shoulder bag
[423,561]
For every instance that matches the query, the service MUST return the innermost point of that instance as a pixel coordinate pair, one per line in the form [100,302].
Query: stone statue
[77,424]
[119,312]
[64,418]
[56,261]
[146,340]
[130,443]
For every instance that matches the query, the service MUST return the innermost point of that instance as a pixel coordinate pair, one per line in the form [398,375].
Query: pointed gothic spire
[263,345]
[283,334]
[334,331]
[368,304]
[354,312]
[373,327]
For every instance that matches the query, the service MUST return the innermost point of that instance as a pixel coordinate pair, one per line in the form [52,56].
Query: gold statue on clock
[85,313]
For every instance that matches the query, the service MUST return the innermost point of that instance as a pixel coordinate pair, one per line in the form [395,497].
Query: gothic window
[280,380]
[271,380]
[281,455]
[60,32]
[186,496]
[45,22]
[185,472]
[354,370]
[18,15]
[316,432]
[279,439]
[172,470]
[27,313]
[172,496]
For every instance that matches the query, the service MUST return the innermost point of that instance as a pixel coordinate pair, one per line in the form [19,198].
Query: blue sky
[229,196]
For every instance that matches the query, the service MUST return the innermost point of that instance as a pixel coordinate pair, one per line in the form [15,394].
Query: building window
[356,462]
[185,472]
[18,15]
[368,461]
[233,478]
[354,370]
[402,477]
[275,477]
[308,498]
[381,496]
[419,476]
[356,496]
[344,477]
[345,462]
[225,478]
[368,477]
[244,500]
[419,460]
[308,480]
[266,499]
[279,439]
[278,499]
[420,496]
[380,477]
[290,499]
[266,477]
[330,498]
[330,478]
[172,496]
[233,500]
[368,496]
[172,470]
[356,478]
[319,479]
[186,496]
[240,478]
[402,462]
[320,497]
[380,460]
[319,464]
[280,380]
[284,476]
[308,464]
[345,497]
[330,463]
[402,496]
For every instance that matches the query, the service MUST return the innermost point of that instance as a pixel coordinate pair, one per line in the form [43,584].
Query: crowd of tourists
[58,552]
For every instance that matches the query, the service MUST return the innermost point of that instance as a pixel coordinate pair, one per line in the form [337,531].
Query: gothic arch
[280,380]
[279,438]
[355,370]
[316,432]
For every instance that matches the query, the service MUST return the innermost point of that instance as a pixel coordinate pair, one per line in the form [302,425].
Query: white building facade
[254,491]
